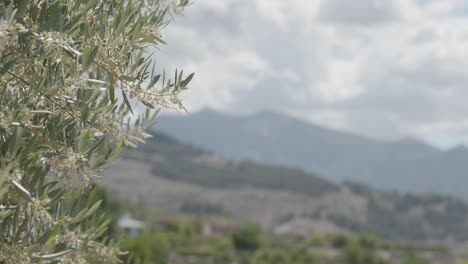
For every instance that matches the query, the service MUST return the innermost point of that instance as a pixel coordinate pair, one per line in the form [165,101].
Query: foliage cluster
[68,73]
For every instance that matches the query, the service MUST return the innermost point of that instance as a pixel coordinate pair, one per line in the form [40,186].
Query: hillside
[405,165]
[177,177]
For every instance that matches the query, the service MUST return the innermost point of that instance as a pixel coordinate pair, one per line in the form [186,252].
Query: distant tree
[369,241]
[281,256]
[224,250]
[354,253]
[414,260]
[154,248]
[247,238]
[68,72]
[340,241]
[272,257]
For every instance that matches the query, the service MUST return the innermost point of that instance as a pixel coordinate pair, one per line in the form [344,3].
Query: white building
[132,226]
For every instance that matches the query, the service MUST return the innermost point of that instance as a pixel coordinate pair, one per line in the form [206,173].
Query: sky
[381,68]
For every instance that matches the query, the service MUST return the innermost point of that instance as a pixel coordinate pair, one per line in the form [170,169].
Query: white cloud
[383,68]
[285,14]
[220,76]
[361,12]
[333,89]
[215,5]
[329,118]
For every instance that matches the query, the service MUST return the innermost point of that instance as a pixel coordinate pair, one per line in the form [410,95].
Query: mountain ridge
[407,165]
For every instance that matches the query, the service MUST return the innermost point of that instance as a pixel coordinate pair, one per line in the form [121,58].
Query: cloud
[361,12]
[384,68]
[286,14]
[218,80]
[333,89]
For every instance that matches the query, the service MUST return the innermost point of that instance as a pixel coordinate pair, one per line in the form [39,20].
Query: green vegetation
[180,239]
[148,248]
[247,238]
[280,256]
[168,242]
[414,260]
[67,72]
[355,253]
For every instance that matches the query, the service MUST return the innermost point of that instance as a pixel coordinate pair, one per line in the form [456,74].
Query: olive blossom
[68,72]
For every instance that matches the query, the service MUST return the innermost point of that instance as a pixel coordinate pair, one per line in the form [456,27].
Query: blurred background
[319,131]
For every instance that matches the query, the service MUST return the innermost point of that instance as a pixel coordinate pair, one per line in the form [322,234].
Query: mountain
[406,165]
[169,175]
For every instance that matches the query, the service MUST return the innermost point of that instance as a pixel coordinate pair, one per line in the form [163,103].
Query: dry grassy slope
[131,180]
[185,175]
